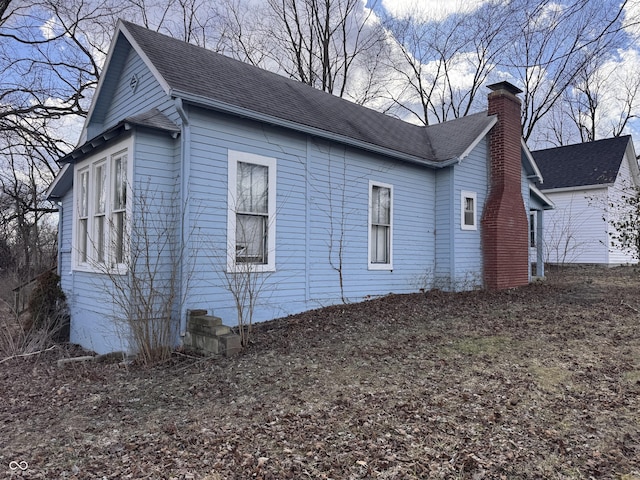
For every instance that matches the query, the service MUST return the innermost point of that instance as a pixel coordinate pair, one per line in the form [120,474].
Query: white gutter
[547,191]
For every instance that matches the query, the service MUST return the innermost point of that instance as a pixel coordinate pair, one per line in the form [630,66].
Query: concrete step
[208,336]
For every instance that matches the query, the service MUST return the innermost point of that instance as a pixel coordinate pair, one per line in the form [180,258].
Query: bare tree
[143,273]
[442,63]
[321,42]
[25,217]
[50,55]
[555,43]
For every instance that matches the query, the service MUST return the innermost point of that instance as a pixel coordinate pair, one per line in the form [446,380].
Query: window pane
[252,188]
[532,230]
[381,203]
[101,181]
[120,183]
[469,211]
[82,241]
[118,225]
[251,238]
[380,244]
[84,194]
[100,243]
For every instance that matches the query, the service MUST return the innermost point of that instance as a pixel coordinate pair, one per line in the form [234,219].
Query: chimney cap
[509,87]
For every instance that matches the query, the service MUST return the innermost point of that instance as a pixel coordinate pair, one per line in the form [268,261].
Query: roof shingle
[582,164]
[194,72]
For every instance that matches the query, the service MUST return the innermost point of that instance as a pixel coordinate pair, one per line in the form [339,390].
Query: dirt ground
[538,382]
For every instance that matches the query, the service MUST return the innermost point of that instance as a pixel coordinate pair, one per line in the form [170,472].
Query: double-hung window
[380,226]
[82,199]
[251,217]
[468,211]
[100,211]
[119,203]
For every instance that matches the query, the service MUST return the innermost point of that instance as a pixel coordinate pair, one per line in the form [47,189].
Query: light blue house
[194,169]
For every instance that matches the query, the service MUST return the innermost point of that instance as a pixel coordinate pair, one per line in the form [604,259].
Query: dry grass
[539,382]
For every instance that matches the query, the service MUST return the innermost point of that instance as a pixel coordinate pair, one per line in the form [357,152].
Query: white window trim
[371,265]
[88,165]
[269,162]
[463,196]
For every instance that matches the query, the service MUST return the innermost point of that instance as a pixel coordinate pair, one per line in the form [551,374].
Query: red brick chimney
[504,221]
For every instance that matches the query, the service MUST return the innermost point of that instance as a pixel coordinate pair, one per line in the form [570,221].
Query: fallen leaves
[539,382]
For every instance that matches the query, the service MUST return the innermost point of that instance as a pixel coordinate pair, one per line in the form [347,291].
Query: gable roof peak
[211,80]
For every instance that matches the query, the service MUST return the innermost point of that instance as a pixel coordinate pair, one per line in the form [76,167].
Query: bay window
[100,211]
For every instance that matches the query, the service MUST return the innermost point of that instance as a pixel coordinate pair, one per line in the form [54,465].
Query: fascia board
[51,192]
[537,175]
[152,68]
[542,197]
[492,121]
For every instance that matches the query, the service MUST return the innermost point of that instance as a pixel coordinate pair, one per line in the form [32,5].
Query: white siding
[575,232]
[578,230]
[623,186]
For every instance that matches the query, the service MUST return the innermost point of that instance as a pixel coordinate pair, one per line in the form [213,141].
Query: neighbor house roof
[201,76]
[583,164]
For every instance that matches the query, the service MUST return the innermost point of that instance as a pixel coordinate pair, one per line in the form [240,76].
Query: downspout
[540,243]
[60,239]
[185,170]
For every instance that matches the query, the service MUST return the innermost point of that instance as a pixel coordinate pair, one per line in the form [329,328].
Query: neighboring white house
[586,182]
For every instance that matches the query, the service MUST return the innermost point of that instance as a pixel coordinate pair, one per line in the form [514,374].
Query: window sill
[380,266]
[118,270]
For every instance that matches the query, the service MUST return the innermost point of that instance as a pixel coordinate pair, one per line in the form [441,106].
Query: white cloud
[48,29]
[620,89]
[631,21]
[430,10]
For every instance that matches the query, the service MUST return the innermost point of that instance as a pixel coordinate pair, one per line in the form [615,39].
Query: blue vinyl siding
[470,175]
[65,232]
[444,208]
[118,101]
[322,194]
[96,323]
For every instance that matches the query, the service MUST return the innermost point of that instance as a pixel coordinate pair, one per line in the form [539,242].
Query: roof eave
[537,175]
[492,120]
[548,204]
[316,132]
[60,184]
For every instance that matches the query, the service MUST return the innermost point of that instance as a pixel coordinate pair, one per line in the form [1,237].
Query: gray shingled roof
[196,74]
[582,164]
[153,118]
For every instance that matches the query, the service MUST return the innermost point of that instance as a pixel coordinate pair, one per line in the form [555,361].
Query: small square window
[468,207]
